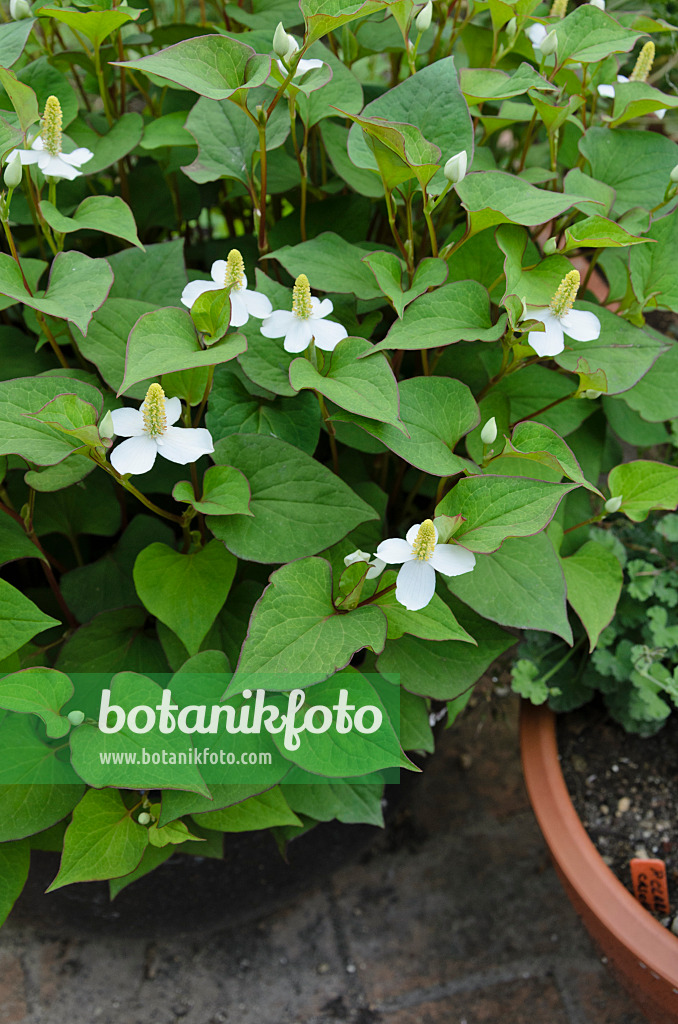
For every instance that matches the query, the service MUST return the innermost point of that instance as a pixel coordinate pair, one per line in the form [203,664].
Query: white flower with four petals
[230,273]
[421,556]
[305,322]
[560,319]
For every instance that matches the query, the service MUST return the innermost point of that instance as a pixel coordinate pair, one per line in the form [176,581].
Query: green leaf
[295,636]
[211,314]
[298,506]
[434,622]
[446,670]
[165,340]
[172,770]
[400,150]
[598,233]
[521,585]
[213,66]
[343,90]
[15,857]
[22,97]
[388,269]
[225,492]
[594,580]
[94,25]
[362,385]
[536,386]
[325,16]
[106,341]
[41,692]
[635,164]
[653,268]
[494,197]
[108,214]
[112,642]
[459,311]
[13,38]
[173,834]
[167,130]
[238,407]
[186,592]
[121,138]
[589,35]
[157,275]
[77,287]
[497,507]
[447,124]
[655,396]
[72,416]
[644,486]
[480,84]
[153,857]
[37,788]
[331,264]
[636,99]
[353,801]
[102,841]
[623,352]
[629,426]
[14,543]
[335,138]
[529,436]
[415,729]
[436,412]
[257,812]
[20,619]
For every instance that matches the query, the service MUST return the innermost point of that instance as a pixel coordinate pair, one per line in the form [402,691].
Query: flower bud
[488,435]
[511,29]
[20,9]
[550,246]
[106,428]
[423,19]
[13,172]
[550,44]
[600,4]
[76,717]
[281,41]
[455,168]
[144,818]
[613,504]
[674,175]
[590,393]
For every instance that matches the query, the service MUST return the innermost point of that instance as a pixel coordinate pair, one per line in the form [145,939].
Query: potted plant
[631,672]
[299,367]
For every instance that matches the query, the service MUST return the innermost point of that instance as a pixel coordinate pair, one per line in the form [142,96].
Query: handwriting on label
[649,883]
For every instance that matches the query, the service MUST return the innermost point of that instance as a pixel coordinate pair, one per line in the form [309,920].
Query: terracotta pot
[642,953]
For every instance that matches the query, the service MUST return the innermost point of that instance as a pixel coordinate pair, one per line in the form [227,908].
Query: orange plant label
[649,883]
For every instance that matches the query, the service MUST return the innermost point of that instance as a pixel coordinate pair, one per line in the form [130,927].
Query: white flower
[230,273]
[305,323]
[455,168]
[377,564]
[536,33]
[150,431]
[421,555]
[488,435]
[46,149]
[303,66]
[19,9]
[560,319]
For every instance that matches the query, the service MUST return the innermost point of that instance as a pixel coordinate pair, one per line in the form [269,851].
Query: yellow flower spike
[235,270]
[566,292]
[425,541]
[50,129]
[643,64]
[558,9]
[301,298]
[155,418]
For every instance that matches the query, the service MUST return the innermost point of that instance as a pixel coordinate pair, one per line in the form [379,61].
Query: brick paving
[453,915]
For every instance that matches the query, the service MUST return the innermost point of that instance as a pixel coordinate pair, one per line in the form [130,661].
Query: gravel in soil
[625,790]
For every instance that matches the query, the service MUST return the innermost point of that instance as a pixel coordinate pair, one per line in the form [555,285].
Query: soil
[625,791]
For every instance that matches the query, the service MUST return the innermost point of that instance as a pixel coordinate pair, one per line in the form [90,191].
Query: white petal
[78,156]
[172,410]
[623,78]
[452,560]
[320,309]
[327,334]
[55,167]
[552,341]
[536,33]
[37,144]
[661,114]
[394,551]
[278,323]
[298,336]
[581,325]
[411,534]
[128,422]
[239,311]
[135,456]
[218,272]
[356,556]
[307,65]
[607,91]
[378,566]
[195,288]
[185,444]
[416,584]
[257,304]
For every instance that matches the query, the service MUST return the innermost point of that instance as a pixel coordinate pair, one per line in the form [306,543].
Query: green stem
[585,522]
[106,466]
[263,241]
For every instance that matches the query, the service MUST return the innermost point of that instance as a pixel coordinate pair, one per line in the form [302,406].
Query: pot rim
[653,945]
